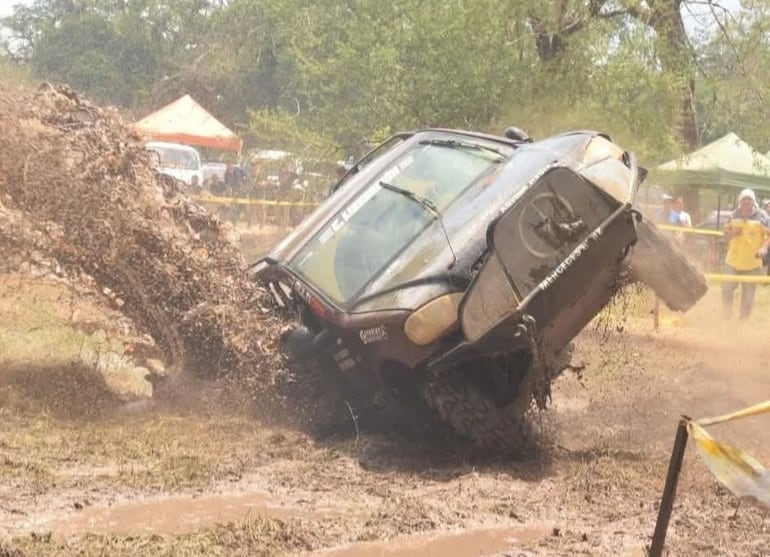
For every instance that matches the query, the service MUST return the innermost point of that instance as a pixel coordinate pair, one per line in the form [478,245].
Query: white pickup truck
[178,161]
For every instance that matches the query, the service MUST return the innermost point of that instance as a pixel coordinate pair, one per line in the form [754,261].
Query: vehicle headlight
[434,319]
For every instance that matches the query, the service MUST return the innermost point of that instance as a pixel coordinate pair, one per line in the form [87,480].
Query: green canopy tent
[709,179]
[728,162]
[724,166]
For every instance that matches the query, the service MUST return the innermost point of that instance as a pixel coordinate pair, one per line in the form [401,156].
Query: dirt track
[194,476]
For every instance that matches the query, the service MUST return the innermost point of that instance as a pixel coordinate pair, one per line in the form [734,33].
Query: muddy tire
[472,414]
[656,262]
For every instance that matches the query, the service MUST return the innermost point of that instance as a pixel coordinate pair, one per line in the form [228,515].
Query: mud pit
[206,470]
[197,475]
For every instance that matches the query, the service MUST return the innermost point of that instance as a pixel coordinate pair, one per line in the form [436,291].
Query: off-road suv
[459,266]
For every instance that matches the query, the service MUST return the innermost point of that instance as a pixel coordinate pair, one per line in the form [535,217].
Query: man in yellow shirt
[748,232]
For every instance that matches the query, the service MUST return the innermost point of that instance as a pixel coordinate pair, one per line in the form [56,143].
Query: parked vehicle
[456,268]
[181,162]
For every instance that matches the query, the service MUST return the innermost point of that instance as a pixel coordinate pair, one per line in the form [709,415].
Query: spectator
[339,173]
[748,232]
[234,178]
[678,215]
[766,259]
[664,217]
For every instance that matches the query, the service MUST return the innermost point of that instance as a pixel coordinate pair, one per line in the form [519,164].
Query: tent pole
[719,206]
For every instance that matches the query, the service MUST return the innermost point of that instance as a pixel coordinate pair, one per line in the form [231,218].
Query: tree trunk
[675,54]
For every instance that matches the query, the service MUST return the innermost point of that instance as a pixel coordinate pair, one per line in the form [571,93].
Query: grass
[46,324]
[254,535]
[154,452]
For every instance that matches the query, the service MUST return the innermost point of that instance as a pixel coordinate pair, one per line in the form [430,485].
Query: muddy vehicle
[456,268]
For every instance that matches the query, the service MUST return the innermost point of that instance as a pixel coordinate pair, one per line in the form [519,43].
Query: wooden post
[669,491]
[656,314]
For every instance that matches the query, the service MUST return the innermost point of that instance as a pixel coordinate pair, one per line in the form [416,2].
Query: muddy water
[175,515]
[488,541]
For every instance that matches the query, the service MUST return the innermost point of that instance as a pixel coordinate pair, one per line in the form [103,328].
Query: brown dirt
[179,481]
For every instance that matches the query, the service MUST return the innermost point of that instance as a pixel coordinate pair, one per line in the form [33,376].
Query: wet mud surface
[174,480]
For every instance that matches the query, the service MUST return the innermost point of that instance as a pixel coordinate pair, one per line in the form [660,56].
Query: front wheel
[473,414]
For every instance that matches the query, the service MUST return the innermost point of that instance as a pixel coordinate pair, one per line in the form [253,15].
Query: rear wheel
[656,262]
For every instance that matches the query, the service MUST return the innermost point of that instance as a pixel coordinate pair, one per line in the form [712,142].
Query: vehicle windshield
[366,235]
[168,157]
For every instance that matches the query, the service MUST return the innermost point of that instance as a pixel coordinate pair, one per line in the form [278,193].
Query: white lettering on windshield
[355,205]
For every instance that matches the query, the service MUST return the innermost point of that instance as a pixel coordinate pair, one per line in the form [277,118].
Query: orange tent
[185,121]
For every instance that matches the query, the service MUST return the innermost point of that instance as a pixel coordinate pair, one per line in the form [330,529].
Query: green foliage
[12,74]
[91,54]
[327,75]
[277,129]
[735,80]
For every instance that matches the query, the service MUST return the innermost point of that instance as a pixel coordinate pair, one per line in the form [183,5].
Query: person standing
[665,213]
[678,215]
[748,233]
[766,259]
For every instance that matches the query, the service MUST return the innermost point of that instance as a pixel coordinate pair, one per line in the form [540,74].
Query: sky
[6,6]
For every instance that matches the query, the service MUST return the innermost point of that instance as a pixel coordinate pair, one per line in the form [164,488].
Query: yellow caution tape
[687,230]
[761,408]
[739,472]
[249,201]
[758,279]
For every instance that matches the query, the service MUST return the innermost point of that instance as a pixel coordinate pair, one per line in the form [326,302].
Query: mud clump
[77,193]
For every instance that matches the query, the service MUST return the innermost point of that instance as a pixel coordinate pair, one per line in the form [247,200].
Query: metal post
[714,243]
[669,491]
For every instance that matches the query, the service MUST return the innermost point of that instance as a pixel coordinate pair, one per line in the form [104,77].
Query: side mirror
[512,132]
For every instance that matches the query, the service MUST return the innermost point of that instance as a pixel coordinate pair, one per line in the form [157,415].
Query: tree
[89,53]
[355,70]
[555,24]
[120,51]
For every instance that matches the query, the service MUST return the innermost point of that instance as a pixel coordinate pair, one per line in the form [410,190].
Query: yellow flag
[737,471]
